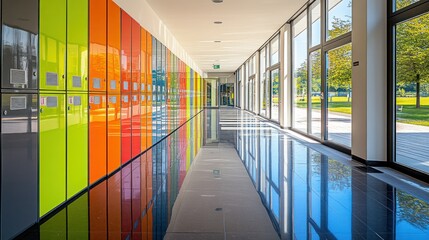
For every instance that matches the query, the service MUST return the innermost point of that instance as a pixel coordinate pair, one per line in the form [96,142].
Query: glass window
[339,95]
[299,108]
[275,93]
[315,24]
[316,92]
[274,46]
[412,93]
[399,4]
[262,86]
[339,17]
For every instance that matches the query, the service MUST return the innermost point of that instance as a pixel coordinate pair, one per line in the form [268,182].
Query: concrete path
[218,200]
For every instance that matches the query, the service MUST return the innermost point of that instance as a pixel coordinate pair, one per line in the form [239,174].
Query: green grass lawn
[410,114]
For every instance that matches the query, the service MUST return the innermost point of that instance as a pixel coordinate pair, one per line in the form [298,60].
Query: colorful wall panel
[126,104]
[135,91]
[52,151]
[19,117]
[143,90]
[52,50]
[100,90]
[97,136]
[19,163]
[97,45]
[77,45]
[113,86]
[77,143]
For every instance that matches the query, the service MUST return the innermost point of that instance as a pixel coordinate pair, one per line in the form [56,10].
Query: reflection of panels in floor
[208,205]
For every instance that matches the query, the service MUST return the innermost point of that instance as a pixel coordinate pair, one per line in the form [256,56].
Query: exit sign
[216,66]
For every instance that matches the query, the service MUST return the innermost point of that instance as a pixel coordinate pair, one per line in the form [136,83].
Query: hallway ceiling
[247,24]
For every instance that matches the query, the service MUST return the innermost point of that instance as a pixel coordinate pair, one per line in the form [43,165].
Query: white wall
[369,119]
[141,11]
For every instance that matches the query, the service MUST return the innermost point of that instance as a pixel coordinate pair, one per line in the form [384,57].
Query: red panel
[97,45]
[136,198]
[114,206]
[136,79]
[126,88]
[98,211]
[97,136]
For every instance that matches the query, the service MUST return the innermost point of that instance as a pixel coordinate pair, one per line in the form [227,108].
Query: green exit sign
[216,66]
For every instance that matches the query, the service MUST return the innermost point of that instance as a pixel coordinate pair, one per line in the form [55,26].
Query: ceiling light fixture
[217,41]
[217,1]
[217,22]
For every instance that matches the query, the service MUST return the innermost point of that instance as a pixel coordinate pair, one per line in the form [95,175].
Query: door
[52,44]
[338,95]
[77,45]
[77,143]
[19,161]
[113,133]
[97,136]
[52,151]
[97,44]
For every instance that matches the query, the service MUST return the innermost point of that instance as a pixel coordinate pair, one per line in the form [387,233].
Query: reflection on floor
[134,203]
[314,193]
[309,191]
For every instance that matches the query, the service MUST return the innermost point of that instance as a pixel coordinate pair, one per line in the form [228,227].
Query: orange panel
[98,212]
[114,87]
[97,45]
[126,112]
[143,90]
[113,48]
[149,88]
[114,132]
[97,136]
[135,79]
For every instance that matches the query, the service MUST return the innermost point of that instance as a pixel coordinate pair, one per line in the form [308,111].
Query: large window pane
[339,96]
[339,17]
[262,87]
[299,108]
[399,4]
[412,93]
[316,90]
[315,24]
[275,43]
[275,74]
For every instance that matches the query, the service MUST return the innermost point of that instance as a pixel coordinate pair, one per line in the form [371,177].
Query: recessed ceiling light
[217,22]
[217,1]
[217,41]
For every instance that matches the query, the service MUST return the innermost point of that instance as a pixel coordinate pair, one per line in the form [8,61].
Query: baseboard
[371,163]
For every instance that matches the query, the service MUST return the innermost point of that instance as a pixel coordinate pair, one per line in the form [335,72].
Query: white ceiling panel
[247,24]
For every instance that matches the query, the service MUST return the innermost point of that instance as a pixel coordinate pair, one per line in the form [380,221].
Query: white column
[369,78]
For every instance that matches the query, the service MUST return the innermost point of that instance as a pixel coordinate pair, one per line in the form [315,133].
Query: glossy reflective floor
[309,191]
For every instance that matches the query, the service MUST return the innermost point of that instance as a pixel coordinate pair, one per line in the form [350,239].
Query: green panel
[77,45]
[55,227]
[52,44]
[77,219]
[188,91]
[52,151]
[77,143]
